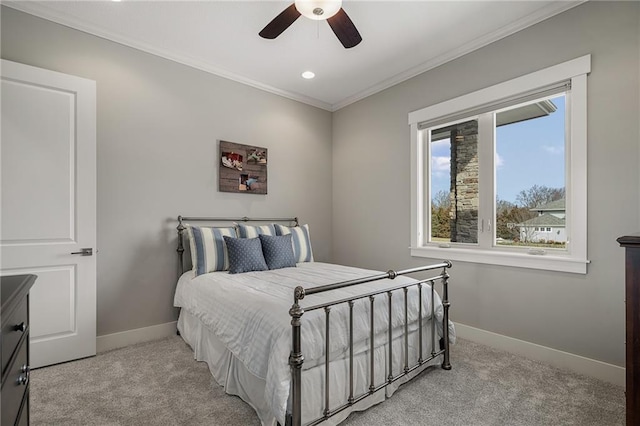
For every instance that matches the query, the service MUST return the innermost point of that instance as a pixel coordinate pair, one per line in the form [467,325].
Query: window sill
[547,262]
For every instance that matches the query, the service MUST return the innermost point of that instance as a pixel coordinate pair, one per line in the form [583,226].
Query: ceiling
[400,39]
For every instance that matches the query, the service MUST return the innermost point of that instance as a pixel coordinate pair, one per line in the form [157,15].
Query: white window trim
[574,259]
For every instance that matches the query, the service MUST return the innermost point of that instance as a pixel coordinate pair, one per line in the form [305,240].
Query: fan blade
[280,23]
[344,29]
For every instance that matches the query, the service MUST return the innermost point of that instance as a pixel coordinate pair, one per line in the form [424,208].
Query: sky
[527,153]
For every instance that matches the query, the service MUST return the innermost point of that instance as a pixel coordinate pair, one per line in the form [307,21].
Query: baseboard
[138,335]
[564,360]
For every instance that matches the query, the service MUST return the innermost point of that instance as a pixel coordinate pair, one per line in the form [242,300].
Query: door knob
[84,252]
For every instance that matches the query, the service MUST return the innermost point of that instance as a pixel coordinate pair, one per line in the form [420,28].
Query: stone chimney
[464,182]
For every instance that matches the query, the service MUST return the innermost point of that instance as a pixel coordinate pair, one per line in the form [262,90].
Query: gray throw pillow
[278,251]
[245,255]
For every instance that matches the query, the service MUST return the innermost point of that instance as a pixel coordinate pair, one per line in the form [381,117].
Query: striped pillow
[208,249]
[300,240]
[248,231]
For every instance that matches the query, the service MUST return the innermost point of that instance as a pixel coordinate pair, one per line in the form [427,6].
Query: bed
[313,342]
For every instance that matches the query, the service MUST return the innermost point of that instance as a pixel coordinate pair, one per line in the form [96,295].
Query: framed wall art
[242,168]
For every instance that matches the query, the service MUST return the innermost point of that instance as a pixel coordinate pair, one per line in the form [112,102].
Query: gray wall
[158,122]
[581,314]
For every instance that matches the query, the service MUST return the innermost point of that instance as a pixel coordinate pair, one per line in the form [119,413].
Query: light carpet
[159,383]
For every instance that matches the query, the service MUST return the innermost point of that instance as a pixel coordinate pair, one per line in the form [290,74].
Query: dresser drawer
[15,385]
[24,413]
[12,331]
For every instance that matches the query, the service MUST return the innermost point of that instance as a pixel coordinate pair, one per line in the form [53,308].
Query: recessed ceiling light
[308,75]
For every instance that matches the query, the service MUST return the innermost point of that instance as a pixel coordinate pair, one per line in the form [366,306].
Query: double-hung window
[499,175]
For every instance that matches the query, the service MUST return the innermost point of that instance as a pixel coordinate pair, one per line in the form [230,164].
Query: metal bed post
[350,400]
[406,331]
[420,360]
[433,319]
[390,376]
[180,249]
[327,310]
[445,321]
[296,359]
[372,386]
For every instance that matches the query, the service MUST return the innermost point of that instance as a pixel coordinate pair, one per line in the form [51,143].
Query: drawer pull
[20,327]
[24,377]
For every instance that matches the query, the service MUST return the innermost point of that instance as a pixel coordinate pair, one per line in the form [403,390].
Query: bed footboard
[296,358]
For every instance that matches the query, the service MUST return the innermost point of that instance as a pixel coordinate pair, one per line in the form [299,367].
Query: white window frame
[574,258]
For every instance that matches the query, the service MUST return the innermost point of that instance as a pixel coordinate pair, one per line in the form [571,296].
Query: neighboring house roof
[544,220]
[558,205]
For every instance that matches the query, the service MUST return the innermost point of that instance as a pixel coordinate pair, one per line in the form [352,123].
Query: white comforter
[249,312]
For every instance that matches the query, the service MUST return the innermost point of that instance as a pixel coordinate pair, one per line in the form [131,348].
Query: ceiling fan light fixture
[318,9]
[329,10]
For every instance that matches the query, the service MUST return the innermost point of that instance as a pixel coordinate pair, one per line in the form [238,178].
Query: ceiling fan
[329,10]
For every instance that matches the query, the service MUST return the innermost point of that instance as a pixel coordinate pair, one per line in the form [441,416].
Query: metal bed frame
[296,357]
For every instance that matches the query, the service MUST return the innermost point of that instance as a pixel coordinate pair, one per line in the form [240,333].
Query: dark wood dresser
[14,340]
[631,243]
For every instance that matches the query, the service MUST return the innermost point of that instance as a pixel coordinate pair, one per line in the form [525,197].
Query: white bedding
[249,314]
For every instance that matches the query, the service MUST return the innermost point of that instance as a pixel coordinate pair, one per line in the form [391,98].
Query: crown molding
[540,15]
[42,11]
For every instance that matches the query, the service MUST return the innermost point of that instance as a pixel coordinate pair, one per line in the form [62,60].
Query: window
[494,171]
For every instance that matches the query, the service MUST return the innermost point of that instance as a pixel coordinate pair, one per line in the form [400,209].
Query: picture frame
[242,168]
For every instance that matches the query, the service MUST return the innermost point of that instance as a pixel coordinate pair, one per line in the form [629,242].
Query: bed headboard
[218,220]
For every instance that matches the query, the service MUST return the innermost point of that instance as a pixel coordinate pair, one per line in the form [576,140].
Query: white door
[48,205]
